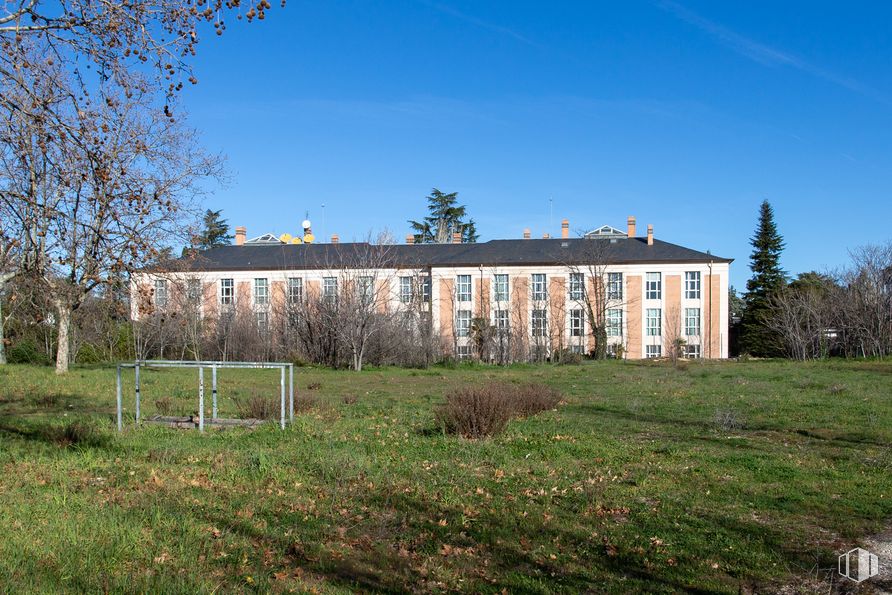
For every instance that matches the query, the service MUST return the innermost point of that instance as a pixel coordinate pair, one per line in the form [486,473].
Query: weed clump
[728,420]
[257,407]
[81,433]
[164,405]
[481,411]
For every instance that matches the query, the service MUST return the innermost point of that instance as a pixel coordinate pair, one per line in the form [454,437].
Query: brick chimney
[335,239]
[565,229]
[631,223]
[241,233]
[526,233]
[546,236]
[456,237]
[650,234]
[410,239]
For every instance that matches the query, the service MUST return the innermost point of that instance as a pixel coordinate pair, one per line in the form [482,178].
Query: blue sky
[685,114]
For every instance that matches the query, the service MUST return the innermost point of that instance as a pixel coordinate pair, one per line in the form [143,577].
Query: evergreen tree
[446,217]
[215,232]
[768,278]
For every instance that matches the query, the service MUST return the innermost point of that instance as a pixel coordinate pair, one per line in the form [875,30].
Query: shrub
[82,433]
[728,420]
[304,403]
[314,386]
[89,354]
[349,399]
[565,357]
[258,407]
[164,405]
[27,352]
[48,400]
[480,411]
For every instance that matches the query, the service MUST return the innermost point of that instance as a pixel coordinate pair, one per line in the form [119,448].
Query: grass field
[713,477]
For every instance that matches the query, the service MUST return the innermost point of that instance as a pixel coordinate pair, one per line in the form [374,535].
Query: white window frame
[577,322]
[405,290]
[614,322]
[692,322]
[329,288]
[692,285]
[538,287]
[463,323]
[261,319]
[654,322]
[653,289]
[577,286]
[261,291]
[501,288]
[539,322]
[692,351]
[227,292]
[653,351]
[501,320]
[463,291]
[162,297]
[295,290]
[366,289]
[193,290]
[614,286]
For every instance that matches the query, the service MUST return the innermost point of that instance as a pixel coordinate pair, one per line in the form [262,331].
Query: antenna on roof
[550,211]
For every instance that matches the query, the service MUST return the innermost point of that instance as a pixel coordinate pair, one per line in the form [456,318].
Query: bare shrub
[481,411]
[164,405]
[81,433]
[258,407]
[314,386]
[349,399]
[305,403]
[728,420]
[48,400]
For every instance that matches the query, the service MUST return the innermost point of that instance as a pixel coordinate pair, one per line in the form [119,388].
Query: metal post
[201,399]
[291,393]
[282,390]
[214,390]
[137,392]
[120,413]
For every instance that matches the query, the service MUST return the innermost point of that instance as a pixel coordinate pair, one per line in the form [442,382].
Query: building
[649,295]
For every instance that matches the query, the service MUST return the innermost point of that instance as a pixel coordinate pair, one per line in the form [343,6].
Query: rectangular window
[652,351]
[654,289]
[227,292]
[500,288]
[366,286]
[654,322]
[577,323]
[463,351]
[577,286]
[463,288]
[262,322]
[261,292]
[193,290]
[615,322]
[692,351]
[540,289]
[540,324]
[426,288]
[501,320]
[692,322]
[405,289]
[330,288]
[614,286]
[295,290]
[463,323]
[160,293]
[577,349]
[692,285]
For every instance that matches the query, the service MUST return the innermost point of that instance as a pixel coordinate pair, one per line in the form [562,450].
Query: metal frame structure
[213,365]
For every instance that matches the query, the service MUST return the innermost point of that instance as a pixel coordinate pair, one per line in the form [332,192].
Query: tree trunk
[63,311]
[4,279]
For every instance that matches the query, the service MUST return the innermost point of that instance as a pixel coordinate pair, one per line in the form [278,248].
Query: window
[227,292]
[540,290]
[654,322]
[614,286]
[463,323]
[654,289]
[329,288]
[366,288]
[405,289]
[692,285]
[295,290]
[501,320]
[160,293]
[652,351]
[193,290]
[500,288]
[692,351]
[692,322]
[540,325]
[615,322]
[463,351]
[577,323]
[262,322]
[577,349]
[577,286]
[463,288]
[261,292]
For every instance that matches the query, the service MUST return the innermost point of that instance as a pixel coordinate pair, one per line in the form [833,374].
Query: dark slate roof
[575,251]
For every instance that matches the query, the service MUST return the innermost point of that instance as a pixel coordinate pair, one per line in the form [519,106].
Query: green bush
[27,352]
[89,354]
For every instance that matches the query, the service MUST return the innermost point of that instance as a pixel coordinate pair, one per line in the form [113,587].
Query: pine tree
[446,217]
[215,232]
[768,278]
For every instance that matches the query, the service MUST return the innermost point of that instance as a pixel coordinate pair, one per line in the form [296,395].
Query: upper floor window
[295,290]
[193,290]
[160,293]
[463,288]
[577,286]
[577,323]
[366,289]
[540,287]
[329,288]
[614,286]
[654,322]
[540,323]
[654,287]
[692,285]
[227,291]
[261,292]
[615,322]
[405,289]
[500,288]
[692,322]
[425,282]
[501,320]
[463,323]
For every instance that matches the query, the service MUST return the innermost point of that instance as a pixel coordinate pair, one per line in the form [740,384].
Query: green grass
[631,485]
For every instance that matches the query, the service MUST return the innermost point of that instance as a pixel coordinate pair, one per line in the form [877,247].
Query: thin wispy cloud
[762,53]
[494,27]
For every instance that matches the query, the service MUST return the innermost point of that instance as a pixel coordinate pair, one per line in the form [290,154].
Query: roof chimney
[526,233]
[410,239]
[631,223]
[241,233]
[650,234]
[334,238]
[456,237]
[546,236]
[565,229]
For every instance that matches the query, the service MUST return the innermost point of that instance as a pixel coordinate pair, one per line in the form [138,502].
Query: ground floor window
[615,322]
[262,322]
[577,323]
[463,323]
[540,324]
[463,351]
[652,351]
[692,351]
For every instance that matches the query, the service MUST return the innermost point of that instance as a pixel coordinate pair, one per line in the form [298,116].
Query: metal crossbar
[201,365]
